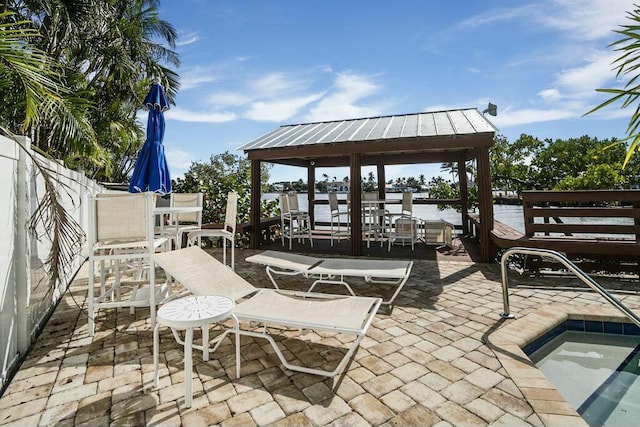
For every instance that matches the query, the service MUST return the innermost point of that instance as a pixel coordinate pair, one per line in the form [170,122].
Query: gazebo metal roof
[428,124]
[430,137]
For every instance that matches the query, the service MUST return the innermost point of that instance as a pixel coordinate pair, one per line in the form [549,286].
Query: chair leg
[224,250]
[332,230]
[233,255]
[188,368]
[90,310]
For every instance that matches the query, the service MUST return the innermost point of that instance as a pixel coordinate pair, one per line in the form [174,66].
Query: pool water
[596,373]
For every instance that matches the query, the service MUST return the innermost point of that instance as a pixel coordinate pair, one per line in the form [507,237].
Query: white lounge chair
[334,270]
[201,274]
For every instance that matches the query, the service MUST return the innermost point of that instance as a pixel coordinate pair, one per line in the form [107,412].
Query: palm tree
[627,64]
[30,79]
[109,54]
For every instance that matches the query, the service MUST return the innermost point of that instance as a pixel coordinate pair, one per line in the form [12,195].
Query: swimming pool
[596,372]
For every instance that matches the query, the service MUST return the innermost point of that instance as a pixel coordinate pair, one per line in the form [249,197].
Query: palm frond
[64,233]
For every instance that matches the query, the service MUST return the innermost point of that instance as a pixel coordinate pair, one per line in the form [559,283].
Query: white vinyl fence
[26,294]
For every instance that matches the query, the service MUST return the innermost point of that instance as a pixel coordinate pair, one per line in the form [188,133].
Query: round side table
[188,313]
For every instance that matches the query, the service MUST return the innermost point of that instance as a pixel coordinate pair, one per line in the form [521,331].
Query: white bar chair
[227,233]
[120,236]
[336,213]
[184,222]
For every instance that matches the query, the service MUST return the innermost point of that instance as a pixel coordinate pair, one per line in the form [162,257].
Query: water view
[510,215]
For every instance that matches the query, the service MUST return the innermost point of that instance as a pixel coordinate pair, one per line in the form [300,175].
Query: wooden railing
[611,216]
[596,226]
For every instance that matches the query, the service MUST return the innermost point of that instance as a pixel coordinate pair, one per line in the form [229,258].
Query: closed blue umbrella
[151,172]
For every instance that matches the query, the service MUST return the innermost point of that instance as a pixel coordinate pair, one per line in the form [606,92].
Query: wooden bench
[599,227]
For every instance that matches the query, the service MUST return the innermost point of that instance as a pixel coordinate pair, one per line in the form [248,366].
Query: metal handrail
[569,265]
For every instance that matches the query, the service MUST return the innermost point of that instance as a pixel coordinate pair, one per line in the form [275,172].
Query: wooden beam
[464,195]
[311,192]
[415,144]
[485,204]
[381,181]
[408,158]
[356,204]
[256,189]
[415,157]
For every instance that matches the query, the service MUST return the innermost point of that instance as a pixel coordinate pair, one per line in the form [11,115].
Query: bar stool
[188,313]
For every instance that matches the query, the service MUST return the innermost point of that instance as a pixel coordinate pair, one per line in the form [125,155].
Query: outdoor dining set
[386,221]
[130,238]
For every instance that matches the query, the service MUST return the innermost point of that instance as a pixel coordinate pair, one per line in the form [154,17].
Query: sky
[250,66]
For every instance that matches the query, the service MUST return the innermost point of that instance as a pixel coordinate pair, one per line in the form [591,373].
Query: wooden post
[485,204]
[381,181]
[256,194]
[356,203]
[464,195]
[311,192]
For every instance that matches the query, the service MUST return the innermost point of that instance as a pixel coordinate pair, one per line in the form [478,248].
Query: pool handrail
[570,266]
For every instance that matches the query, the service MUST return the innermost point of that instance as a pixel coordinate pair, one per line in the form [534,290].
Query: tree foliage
[561,164]
[225,172]
[108,51]
[627,65]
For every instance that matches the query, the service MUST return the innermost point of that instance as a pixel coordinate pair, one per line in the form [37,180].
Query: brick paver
[427,362]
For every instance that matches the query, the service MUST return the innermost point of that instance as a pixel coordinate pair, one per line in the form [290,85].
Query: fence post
[23,278]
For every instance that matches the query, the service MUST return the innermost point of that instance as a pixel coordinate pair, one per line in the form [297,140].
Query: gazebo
[451,136]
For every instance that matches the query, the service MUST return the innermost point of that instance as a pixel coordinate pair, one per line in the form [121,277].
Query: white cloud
[196,116]
[581,30]
[514,117]
[179,160]
[195,77]
[277,84]
[342,103]
[585,19]
[229,99]
[549,94]
[187,39]
[594,74]
[281,109]
[492,16]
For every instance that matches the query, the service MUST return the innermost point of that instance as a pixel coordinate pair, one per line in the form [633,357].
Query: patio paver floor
[425,363]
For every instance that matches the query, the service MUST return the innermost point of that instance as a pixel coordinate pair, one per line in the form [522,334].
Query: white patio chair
[336,214]
[295,224]
[334,271]
[120,236]
[373,218]
[227,233]
[406,208]
[201,274]
[405,231]
[184,222]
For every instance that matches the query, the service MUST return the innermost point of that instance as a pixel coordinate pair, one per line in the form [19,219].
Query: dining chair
[373,218]
[336,213]
[121,240]
[184,222]
[405,230]
[295,224]
[227,232]
[406,208]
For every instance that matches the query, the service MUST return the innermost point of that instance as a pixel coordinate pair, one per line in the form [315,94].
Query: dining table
[374,212]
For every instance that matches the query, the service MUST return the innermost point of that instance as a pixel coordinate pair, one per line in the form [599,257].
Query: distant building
[281,186]
[395,188]
[338,187]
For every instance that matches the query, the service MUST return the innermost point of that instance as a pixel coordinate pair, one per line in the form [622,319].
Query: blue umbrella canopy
[151,172]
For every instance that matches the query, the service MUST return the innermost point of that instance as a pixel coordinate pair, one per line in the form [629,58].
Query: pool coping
[507,344]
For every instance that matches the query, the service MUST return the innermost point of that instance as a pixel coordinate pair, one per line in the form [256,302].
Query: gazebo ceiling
[429,137]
